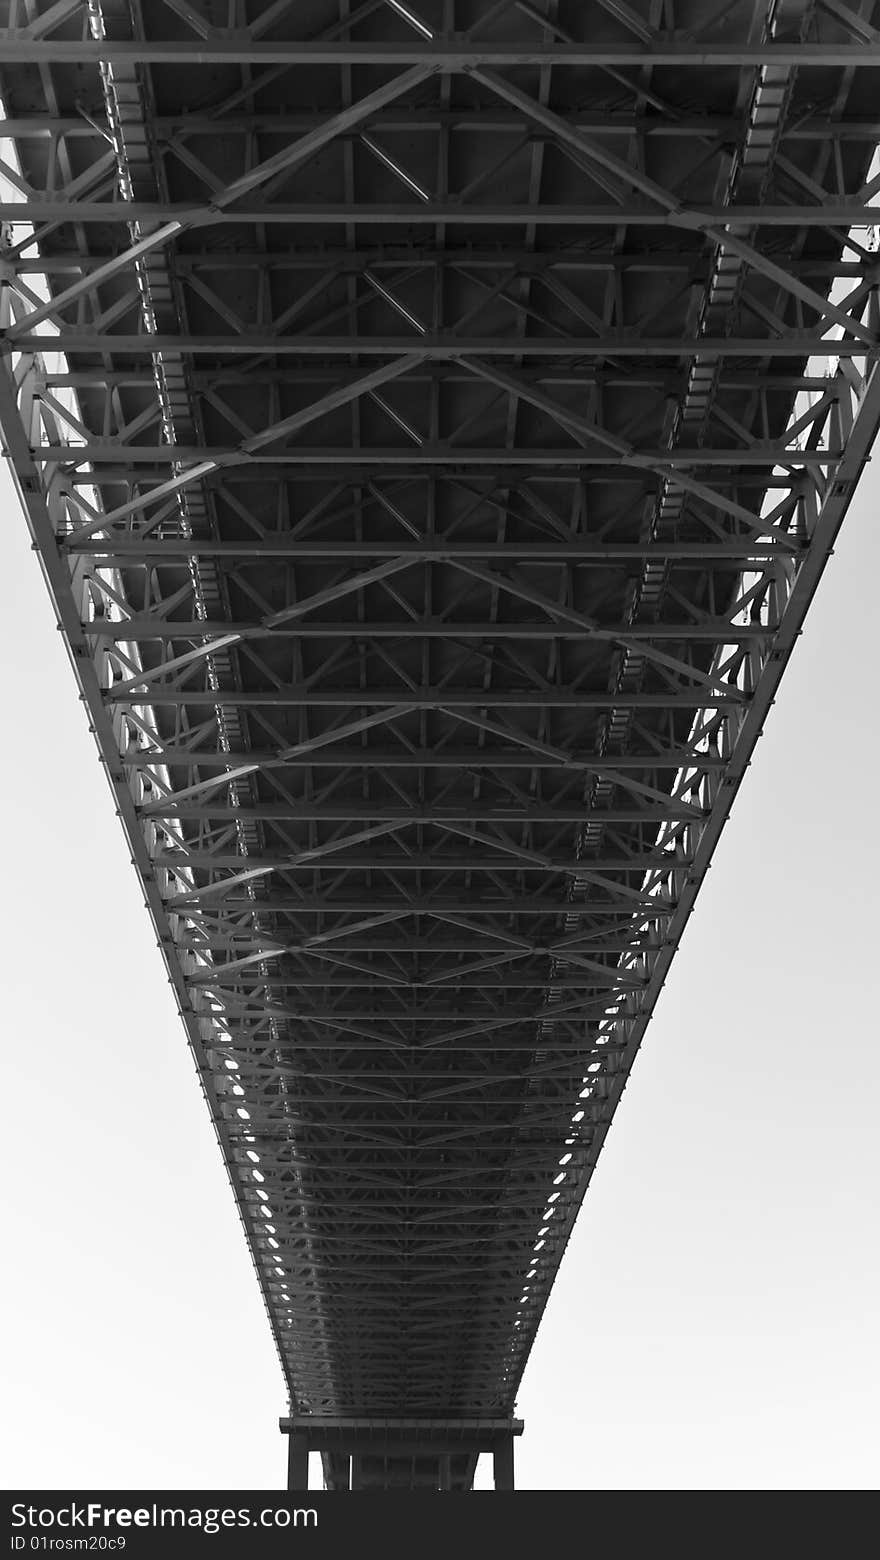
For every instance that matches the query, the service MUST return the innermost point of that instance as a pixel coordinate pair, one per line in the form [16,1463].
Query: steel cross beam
[180,217]
[444,55]
[606,344]
[424,680]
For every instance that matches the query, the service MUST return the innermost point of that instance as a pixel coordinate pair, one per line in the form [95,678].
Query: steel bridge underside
[433,422]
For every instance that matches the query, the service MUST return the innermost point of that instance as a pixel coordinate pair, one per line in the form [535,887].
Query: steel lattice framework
[433,422]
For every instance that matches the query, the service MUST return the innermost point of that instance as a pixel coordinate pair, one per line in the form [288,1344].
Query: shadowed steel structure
[433,421]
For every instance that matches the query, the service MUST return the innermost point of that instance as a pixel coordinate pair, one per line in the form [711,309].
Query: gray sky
[714,1323]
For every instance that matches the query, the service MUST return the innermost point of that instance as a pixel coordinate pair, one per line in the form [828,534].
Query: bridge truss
[432,421]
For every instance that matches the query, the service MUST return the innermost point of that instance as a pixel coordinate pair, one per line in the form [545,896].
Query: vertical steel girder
[432,441]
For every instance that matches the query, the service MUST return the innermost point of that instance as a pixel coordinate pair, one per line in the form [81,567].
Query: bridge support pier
[502,1463]
[361,1453]
[297,1461]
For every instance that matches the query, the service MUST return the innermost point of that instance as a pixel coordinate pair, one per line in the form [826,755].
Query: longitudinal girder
[433,422]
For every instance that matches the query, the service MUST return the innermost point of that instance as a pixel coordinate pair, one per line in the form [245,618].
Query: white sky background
[714,1323]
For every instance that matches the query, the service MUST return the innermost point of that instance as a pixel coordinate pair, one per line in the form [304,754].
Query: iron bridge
[432,420]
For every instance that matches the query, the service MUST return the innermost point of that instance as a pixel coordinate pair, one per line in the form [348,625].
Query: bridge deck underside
[431,482]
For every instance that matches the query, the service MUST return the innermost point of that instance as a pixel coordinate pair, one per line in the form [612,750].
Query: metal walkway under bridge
[432,418]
